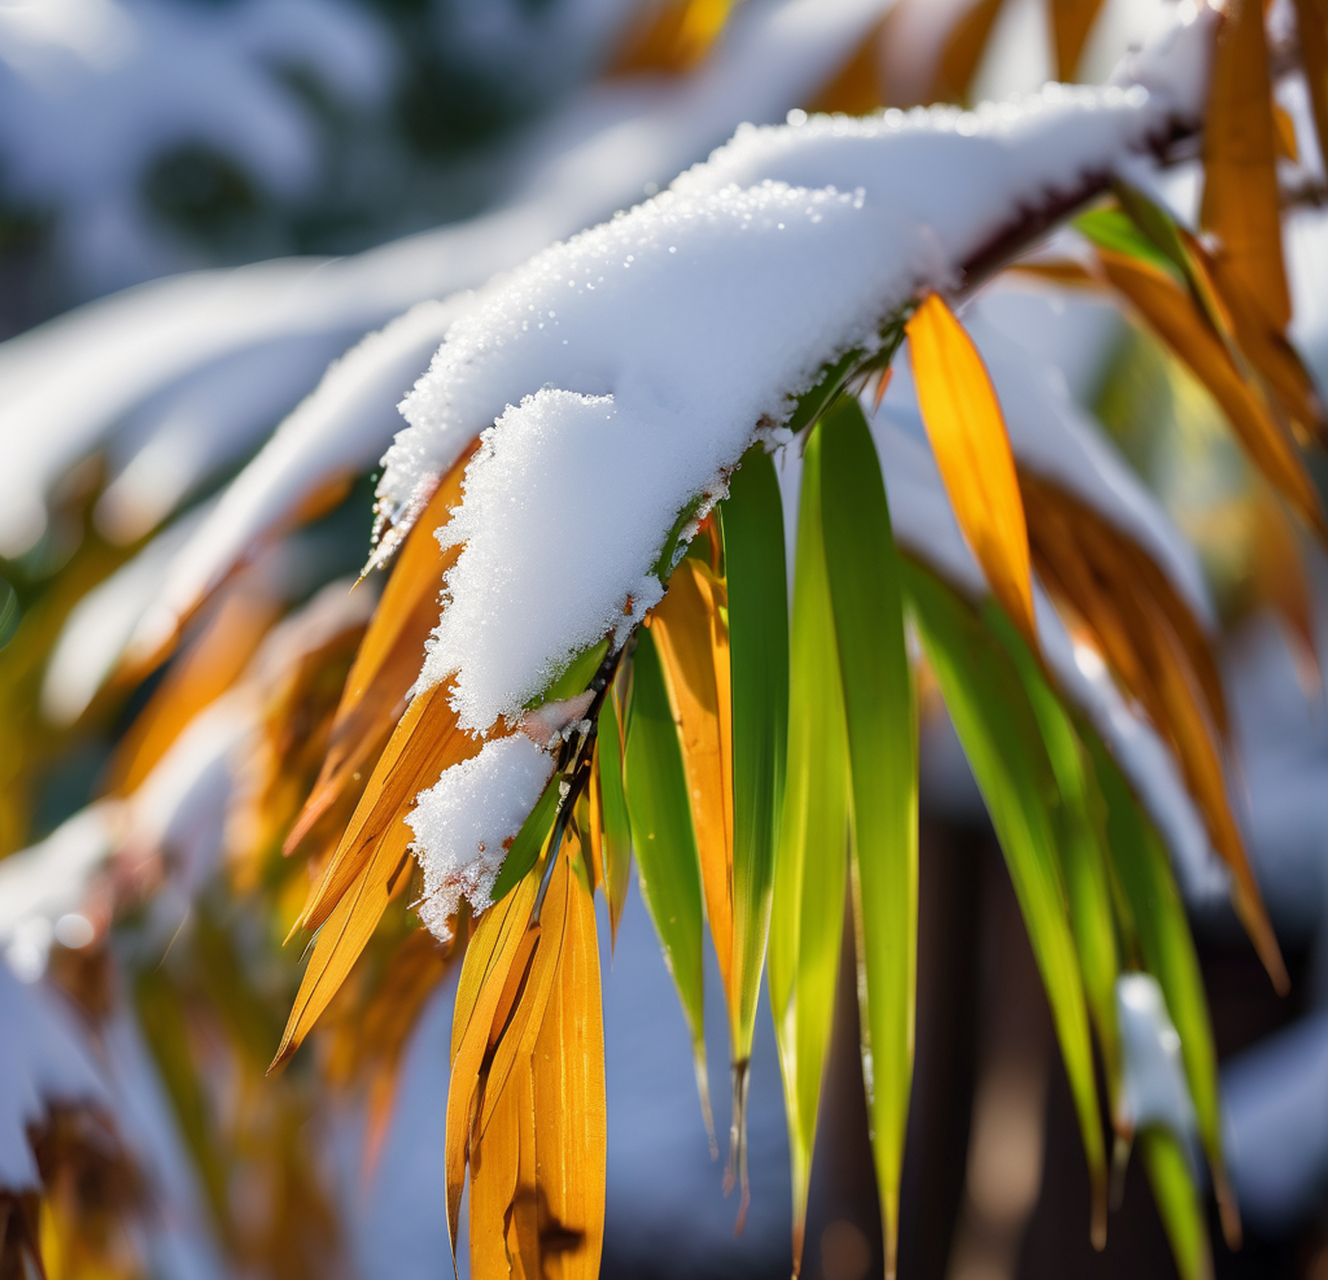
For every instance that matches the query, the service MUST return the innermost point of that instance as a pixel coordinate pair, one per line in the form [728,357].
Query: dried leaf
[1071,21]
[1240,198]
[968,437]
[388,661]
[1312,28]
[1171,312]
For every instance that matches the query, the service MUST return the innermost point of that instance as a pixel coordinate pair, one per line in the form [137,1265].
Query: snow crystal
[466,822]
[622,374]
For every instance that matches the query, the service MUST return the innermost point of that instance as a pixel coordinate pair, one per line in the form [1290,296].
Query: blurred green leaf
[1002,739]
[1178,1203]
[882,734]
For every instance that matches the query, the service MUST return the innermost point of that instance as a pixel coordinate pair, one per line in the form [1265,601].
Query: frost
[466,822]
[620,375]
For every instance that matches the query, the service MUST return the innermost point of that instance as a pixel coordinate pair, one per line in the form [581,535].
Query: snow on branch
[621,375]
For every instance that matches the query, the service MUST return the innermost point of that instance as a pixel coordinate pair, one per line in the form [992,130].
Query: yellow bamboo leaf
[1172,314]
[675,36]
[1071,21]
[692,638]
[1280,583]
[1262,343]
[495,947]
[1240,199]
[239,621]
[963,51]
[389,657]
[967,433]
[425,742]
[856,88]
[569,1104]
[340,940]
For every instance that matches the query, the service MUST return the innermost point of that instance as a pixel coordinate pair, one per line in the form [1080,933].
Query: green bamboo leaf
[752,519]
[1079,822]
[1178,1203]
[1157,915]
[752,523]
[882,733]
[617,832]
[530,840]
[807,910]
[1002,739]
[668,867]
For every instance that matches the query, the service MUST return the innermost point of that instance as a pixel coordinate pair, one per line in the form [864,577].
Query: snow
[336,432]
[600,154]
[1155,1092]
[636,362]
[465,823]
[92,90]
[42,1060]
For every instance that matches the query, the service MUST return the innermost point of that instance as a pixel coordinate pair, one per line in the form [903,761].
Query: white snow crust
[464,823]
[644,356]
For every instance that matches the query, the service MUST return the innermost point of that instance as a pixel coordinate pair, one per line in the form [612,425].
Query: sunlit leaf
[972,449]
[1170,311]
[752,521]
[1241,206]
[675,36]
[1002,740]
[664,839]
[692,640]
[389,657]
[811,871]
[882,736]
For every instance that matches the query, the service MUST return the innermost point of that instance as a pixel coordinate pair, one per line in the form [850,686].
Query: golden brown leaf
[1280,583]
[693,645]
[967,433]
[1071,21]
[963,51]
[1240,199]
[1312,27]
[388,661]
[212,663]
[1173,315]
[674,38]
[856,87]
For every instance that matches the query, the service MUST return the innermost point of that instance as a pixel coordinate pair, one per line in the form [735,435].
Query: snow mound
[630,368]
[466,822]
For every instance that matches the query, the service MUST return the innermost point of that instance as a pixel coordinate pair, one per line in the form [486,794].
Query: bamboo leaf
[807,906]
[1240,198]
[1079,821]
[1312,28]
[1001,738]
[668,868]
[882,737]
[569,1105]
[501,941]
[968,437]
[1178,1203]
[388,661]
[1163,933]
[608,806]
[1071,21]
[752,521]
[962,52]
[1171,312]
[692,641]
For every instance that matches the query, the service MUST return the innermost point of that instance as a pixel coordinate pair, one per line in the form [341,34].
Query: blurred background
[141,139]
